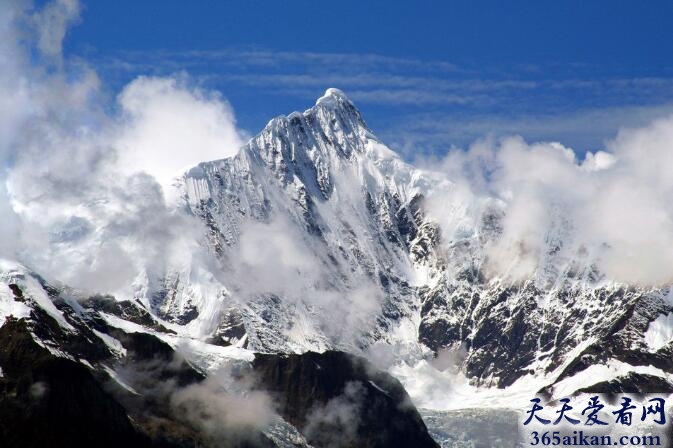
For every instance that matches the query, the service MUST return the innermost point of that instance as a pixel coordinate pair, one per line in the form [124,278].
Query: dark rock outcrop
[65,386]
[632,383]
[337,399]
[47,400]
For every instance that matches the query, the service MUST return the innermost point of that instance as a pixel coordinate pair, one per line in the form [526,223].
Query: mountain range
[331,275]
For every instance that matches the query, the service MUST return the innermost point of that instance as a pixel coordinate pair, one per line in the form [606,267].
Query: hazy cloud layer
[225,406]
[52,23]
[609,208]
[84,190]
[336,423]
[278,259]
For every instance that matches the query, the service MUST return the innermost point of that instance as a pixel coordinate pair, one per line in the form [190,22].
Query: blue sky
[426,74]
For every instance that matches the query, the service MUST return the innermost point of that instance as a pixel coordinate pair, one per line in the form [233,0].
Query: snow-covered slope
[313,222]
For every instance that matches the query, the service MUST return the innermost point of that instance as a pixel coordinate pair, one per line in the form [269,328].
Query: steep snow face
[325,238]
[313,222]
[15,280]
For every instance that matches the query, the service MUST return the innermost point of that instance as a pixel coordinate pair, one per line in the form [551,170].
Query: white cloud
[225,407]
[168,126]
[613,204]
[52,23]
[83,196]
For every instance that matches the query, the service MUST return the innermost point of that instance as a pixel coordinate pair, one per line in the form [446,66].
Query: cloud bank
[166,127]
[610,208]
[84,190]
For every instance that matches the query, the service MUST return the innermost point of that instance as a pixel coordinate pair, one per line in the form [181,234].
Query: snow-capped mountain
[322,238]
[325,240]
[313,222]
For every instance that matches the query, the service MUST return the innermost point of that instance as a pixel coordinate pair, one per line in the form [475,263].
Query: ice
[11,272]
[119,381]
[11,307]
[114,345]
[330,95]
[660,332]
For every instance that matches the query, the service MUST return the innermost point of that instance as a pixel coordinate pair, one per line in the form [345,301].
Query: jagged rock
[47,400]
[632,383]
[125,309]
[340,400]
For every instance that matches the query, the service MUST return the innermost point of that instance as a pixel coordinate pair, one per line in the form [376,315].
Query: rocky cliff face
[51,400]
[339,399]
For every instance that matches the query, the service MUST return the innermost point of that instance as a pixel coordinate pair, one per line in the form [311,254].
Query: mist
[86,189]
[225,406]
[608,208]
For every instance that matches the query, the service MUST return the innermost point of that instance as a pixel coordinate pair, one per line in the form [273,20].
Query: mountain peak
[333,115]
[334,103]
[333,96]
